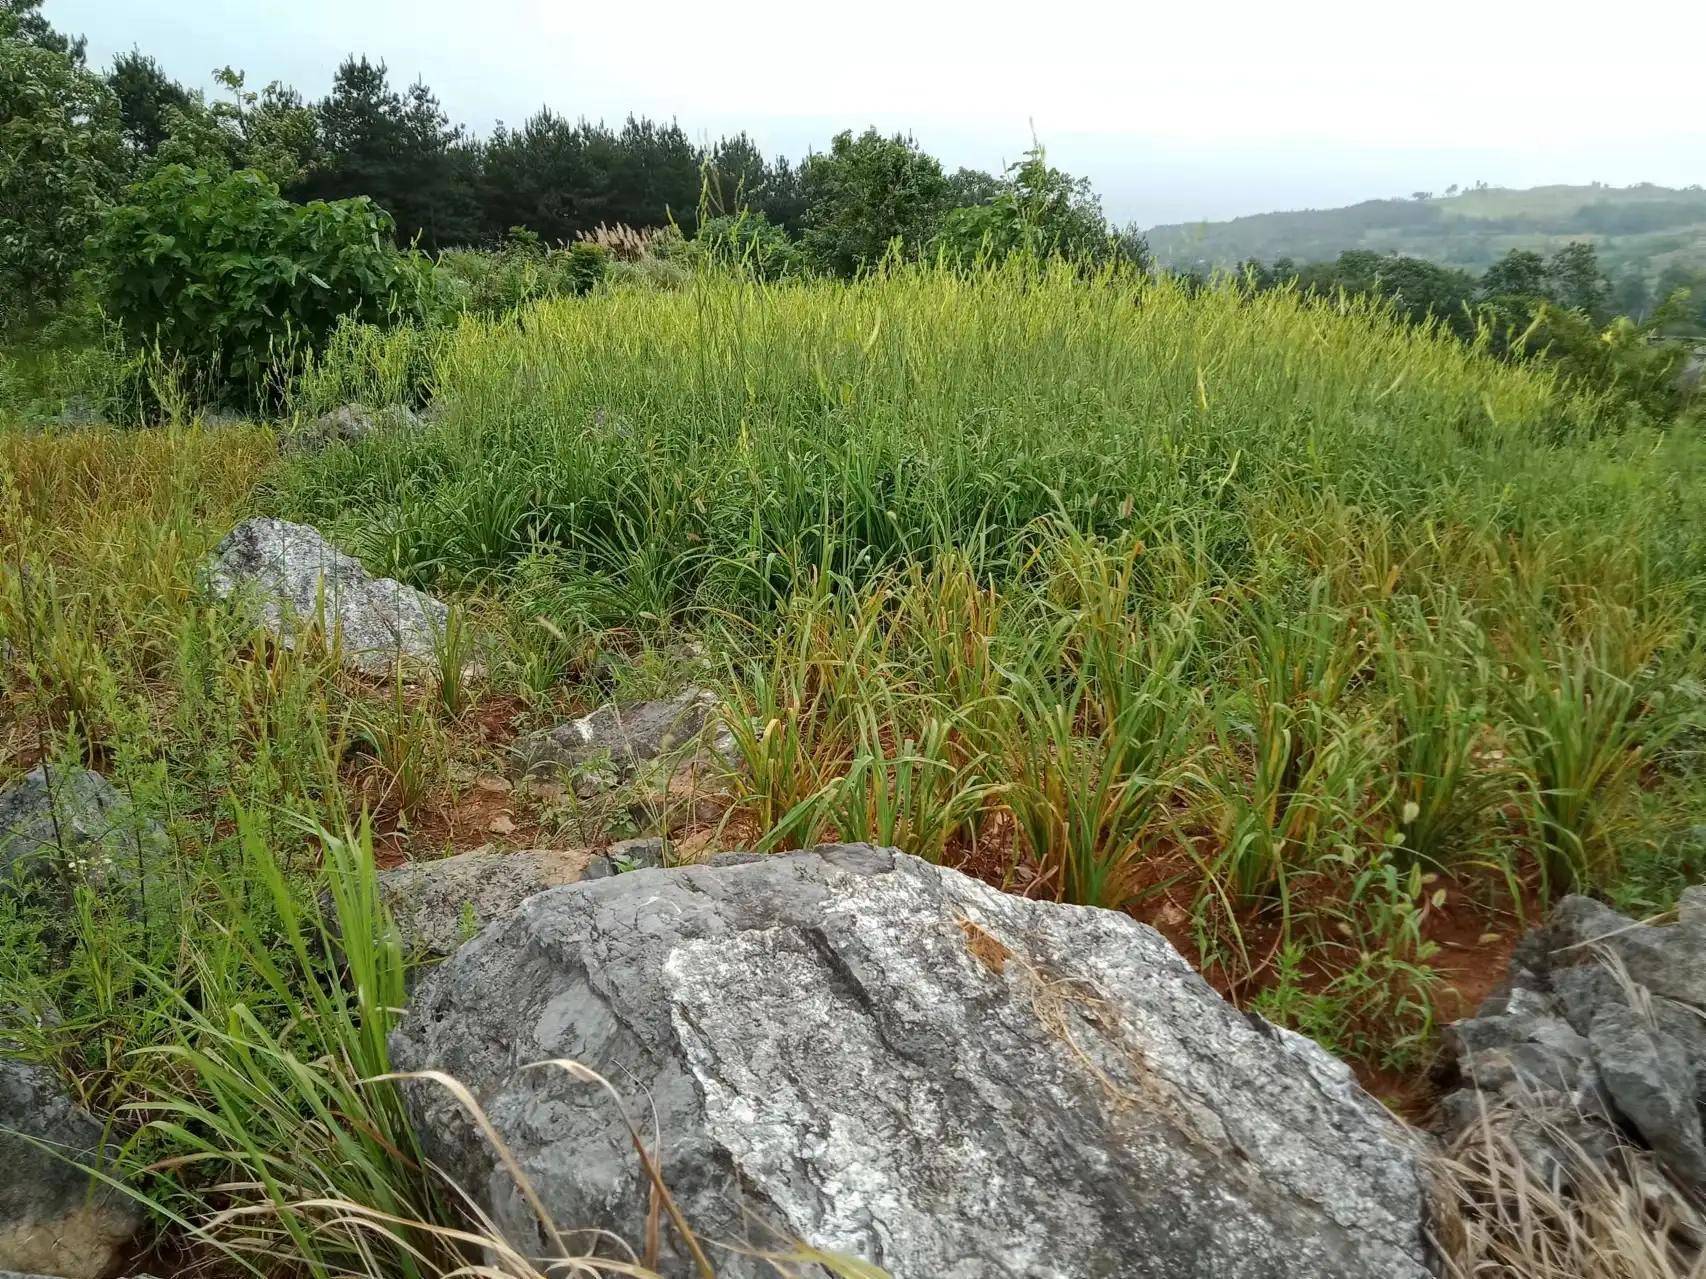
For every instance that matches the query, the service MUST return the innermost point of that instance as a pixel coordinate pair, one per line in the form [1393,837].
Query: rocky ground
[868,1053]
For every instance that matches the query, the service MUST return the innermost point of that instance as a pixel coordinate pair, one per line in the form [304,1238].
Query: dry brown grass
[1504,1217]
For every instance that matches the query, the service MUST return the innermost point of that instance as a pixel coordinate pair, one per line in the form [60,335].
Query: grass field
[1328,645]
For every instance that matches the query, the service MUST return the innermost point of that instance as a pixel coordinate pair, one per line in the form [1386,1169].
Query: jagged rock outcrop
[1596,1037]
[891,1060]
[66,825]
[55,1219]
[291,577]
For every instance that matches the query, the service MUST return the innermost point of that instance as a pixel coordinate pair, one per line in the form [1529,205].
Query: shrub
[866,192]
[1039,210]
[1624,360]
[752,242]
[59,152]
[522,270]
[236,281]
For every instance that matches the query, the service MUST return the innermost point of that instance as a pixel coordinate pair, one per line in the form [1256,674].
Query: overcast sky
[1204,110]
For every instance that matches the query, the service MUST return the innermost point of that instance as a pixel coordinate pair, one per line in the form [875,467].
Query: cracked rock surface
[890,1060]
[1593,1047]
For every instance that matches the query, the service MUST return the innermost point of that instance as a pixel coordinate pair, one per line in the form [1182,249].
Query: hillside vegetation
[1287,625]
[1327,643]
[1645,229]
[1335,619]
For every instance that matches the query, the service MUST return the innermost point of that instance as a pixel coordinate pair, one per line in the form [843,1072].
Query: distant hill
[1641,228]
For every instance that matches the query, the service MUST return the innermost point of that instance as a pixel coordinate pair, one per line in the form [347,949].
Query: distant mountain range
[1641,229]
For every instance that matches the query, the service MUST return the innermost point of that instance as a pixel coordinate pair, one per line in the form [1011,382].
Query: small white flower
[1412,810]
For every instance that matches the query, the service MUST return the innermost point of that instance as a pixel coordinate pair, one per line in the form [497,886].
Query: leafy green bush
[752,242]
[865,193]
[232,279]
[1039,210]
[522,270]
[1626,361]
[59,157]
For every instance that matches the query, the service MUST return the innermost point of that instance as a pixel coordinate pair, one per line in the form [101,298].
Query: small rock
[60,825]
[349,423]
[888,1059]
[288,574]
[438,905]
[1650,1079]
[1691,906]
[644,853]
[55,1218]
[613,744]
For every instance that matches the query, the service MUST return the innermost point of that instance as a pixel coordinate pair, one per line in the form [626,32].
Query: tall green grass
[1282,619]
[715,445]
[1101,586]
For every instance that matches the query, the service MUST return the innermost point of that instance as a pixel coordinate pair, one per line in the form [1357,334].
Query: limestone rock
[289,576]
[55,1218]
[894,1061]
[1598,1033]
[438,905]
[60,825]
[615,744]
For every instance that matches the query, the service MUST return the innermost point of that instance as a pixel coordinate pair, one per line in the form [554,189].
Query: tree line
[83,146]
[842,209]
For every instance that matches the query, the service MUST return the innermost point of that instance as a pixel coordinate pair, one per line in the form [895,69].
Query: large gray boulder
[289,577]
[66,825]
[1597,1037]
[891,1060]
[55,1218]
[438,905]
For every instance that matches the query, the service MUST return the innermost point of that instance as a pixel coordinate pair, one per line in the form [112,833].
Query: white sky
[1187,111]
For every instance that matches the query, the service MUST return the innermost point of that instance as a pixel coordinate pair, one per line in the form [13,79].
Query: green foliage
[60,161]
[236,280]
[1570,279]
[271,132]
[23,20]
[1574,280]
[1040,211]
[751,242]
[1625,360]
[973,187]
[1525,307]
[1520,273]
[739,178]
[398,149]
[523,270]
[1420,291]
[867,192]
[146,95]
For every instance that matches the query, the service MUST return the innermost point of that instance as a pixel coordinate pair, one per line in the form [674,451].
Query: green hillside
[1644,228]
